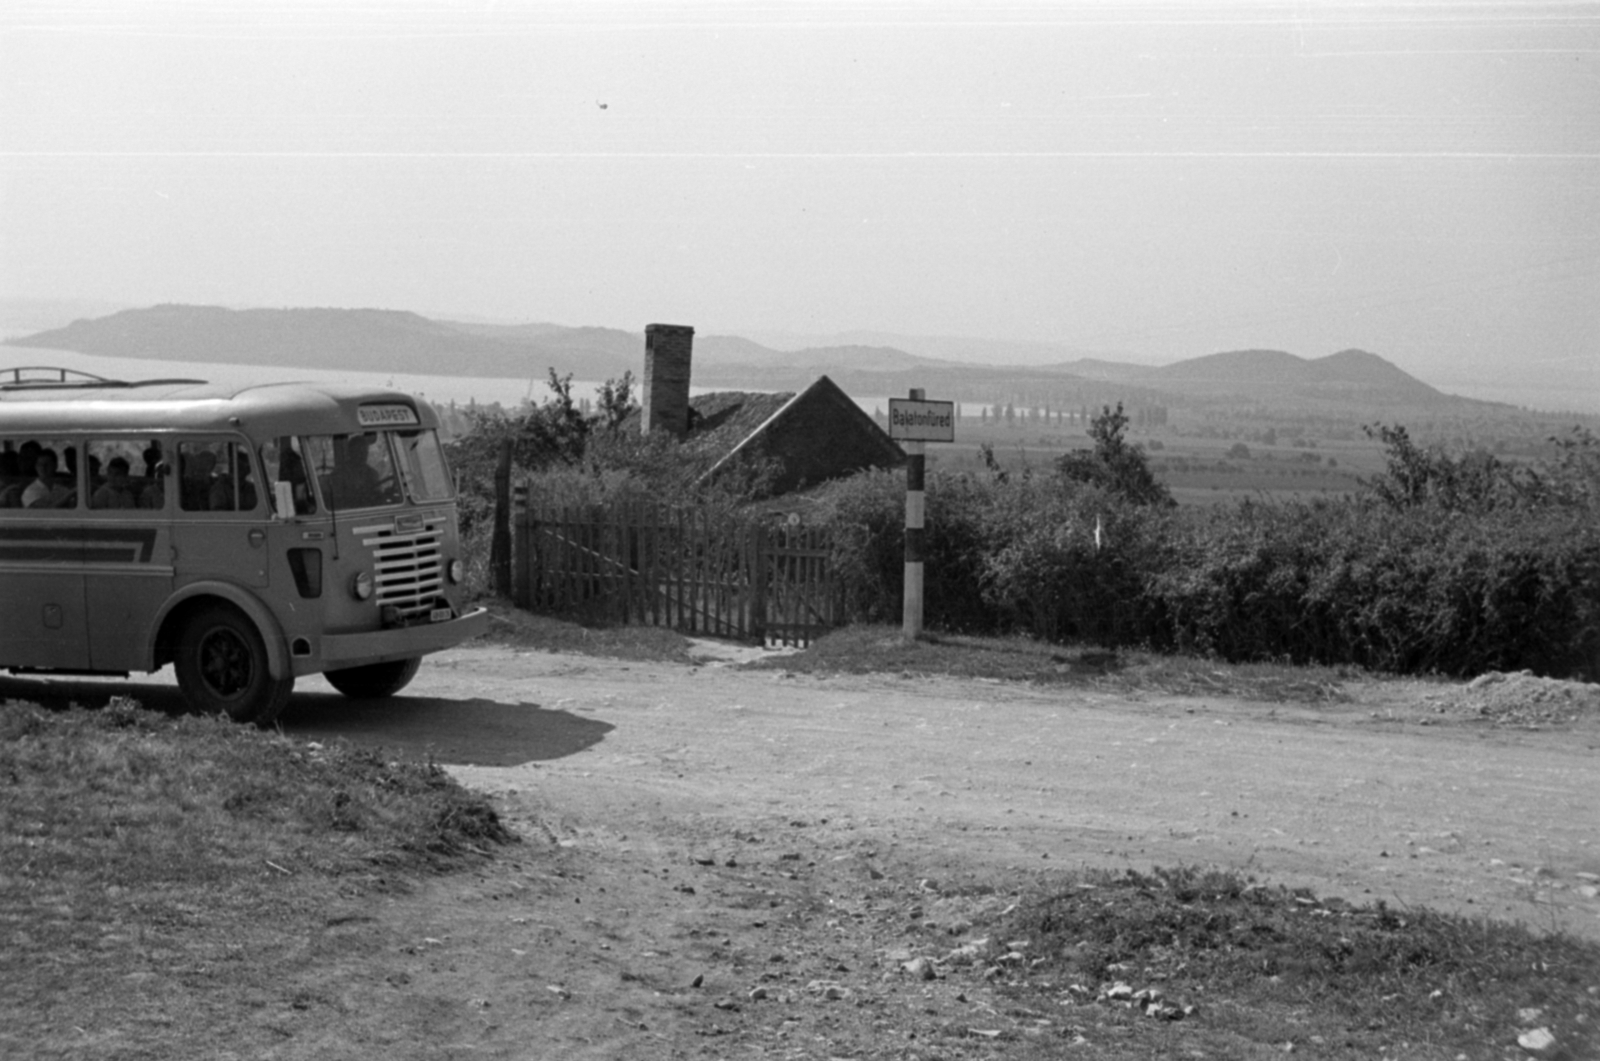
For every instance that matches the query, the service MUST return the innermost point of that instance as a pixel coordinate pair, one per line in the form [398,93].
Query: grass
[510,625]
[883,649]
[1268,967]
[140,852]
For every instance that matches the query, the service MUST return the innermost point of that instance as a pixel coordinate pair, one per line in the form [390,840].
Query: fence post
[758,582]
[500,543]
[522,549]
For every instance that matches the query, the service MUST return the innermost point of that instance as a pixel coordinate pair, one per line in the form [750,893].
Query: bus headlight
[361,586]
[458,571]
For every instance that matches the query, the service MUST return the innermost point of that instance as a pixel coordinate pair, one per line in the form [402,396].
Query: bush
[1411,591]
[1063,560]
[1113,464]
[1449,565]
[1452,579]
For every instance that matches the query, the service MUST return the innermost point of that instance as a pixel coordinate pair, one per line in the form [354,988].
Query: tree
[616,401]
[1113,463]
[1476,481]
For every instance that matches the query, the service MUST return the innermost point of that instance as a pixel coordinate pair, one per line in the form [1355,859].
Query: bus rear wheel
[222,668]
[375,680]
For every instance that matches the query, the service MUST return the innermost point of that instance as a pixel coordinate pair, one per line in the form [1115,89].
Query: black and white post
[916,510]
[914,422]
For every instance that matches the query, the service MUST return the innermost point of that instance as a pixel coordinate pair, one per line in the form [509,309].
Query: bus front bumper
[380,646]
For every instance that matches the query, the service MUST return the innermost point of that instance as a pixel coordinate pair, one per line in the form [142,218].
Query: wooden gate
[682,568]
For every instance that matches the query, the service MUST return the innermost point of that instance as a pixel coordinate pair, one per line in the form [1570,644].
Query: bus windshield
[354,471]
[422,462]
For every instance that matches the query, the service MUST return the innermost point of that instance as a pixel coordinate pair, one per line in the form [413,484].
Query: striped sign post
[914,422]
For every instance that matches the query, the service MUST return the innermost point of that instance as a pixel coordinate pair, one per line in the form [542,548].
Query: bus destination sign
[385,415]
[922,421]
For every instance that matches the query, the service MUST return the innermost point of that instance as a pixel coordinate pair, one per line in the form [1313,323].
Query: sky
[1151,180]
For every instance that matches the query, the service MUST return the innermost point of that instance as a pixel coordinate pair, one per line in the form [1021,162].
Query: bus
[246,535]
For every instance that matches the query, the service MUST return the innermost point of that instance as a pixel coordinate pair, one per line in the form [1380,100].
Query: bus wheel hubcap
[225,663]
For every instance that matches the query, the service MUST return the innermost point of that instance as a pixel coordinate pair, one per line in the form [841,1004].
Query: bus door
[43,615]
[127,548]
[43,621]
[219,514]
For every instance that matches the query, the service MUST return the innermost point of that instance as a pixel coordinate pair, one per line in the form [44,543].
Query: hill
[1352,376]
[365,340]
[1351,386]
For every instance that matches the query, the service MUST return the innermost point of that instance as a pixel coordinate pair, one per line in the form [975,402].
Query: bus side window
[233,490]
[285,464]
[153,485]
[41,473]
[215,477]
[11,477]
[111,480]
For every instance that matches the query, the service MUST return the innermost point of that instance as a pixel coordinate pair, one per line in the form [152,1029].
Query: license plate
[439,615]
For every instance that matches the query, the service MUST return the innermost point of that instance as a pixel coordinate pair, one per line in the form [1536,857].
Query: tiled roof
[723,419]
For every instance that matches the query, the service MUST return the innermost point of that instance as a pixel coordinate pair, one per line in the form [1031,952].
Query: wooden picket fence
[747,579]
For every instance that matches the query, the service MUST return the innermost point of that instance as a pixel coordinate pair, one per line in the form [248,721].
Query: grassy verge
[510,625]
[882,649]
[1202,963]
[145,860]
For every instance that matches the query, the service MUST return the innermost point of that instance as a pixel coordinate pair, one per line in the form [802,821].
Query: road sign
[921,421]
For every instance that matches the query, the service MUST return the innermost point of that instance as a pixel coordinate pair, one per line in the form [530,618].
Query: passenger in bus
[292,470]
[117,491]
[47,489]
[154,493]
[355,480]
[195,491]
[11,480]
[221,495]
[11,495]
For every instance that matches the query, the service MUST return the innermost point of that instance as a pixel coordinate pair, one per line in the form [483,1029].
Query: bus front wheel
[375,680]
[222,668]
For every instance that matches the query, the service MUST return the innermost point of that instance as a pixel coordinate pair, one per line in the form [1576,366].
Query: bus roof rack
[34,376]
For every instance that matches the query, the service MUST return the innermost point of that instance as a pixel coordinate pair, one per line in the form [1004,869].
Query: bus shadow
[456,732]
[58,694]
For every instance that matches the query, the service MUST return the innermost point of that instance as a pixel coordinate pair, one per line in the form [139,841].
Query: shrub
[1112,463]
[1418,588]
[1412,590]
[1450,565]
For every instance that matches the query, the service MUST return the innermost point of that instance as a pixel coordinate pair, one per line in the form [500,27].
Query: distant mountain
[961,349]
[1101,369]
[1351,384]
[532,330]
[364,340]
[373,340]
[20,316]
[1352,376]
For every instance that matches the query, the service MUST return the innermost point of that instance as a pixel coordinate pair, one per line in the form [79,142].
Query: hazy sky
[1421,180]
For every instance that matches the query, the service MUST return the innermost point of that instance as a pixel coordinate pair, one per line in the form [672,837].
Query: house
[810,437]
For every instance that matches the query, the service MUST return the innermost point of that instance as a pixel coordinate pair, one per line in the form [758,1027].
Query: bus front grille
[408,572]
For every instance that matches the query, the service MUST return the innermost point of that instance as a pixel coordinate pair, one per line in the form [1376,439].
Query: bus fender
[278,664]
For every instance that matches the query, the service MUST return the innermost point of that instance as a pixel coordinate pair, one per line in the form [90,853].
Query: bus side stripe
[46,542]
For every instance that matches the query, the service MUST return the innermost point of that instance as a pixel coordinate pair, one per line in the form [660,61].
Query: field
[1197,469]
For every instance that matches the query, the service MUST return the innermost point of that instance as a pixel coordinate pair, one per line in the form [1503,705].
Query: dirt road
[1460,817]
[725,863]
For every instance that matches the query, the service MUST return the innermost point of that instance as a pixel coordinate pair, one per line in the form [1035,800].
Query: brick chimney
[667,348]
